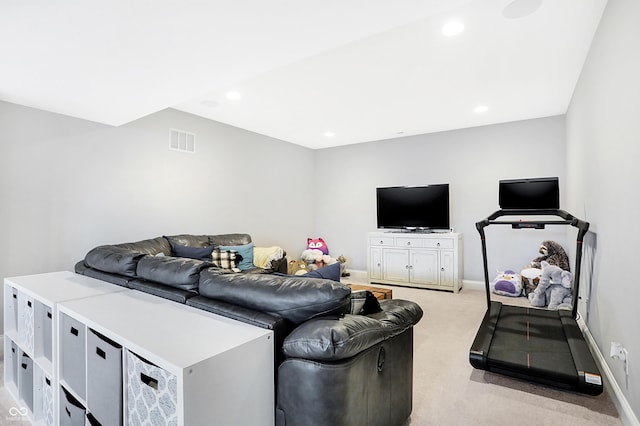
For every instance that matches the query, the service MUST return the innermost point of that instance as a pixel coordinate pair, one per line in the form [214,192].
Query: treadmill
[535,344]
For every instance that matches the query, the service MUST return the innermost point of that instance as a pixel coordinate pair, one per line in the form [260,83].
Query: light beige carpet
[448,391]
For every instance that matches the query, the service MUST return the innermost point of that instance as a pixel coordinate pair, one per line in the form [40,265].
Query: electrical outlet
[618,351]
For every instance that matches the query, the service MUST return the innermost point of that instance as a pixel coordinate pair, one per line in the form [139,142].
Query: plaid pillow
[227,259]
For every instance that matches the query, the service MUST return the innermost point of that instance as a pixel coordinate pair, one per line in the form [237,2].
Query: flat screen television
[413,207]
[527,194]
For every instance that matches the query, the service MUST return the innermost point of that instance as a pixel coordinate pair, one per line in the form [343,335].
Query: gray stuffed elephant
[554,288]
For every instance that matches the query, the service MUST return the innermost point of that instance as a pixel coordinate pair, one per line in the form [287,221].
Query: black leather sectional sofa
[333,367]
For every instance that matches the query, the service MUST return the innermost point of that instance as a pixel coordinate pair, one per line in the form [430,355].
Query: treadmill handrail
[569,219]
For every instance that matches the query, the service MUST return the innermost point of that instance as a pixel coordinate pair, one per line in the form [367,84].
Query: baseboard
[627,416]
[473,285]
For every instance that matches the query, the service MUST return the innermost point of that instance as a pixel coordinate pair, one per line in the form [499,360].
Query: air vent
[179,140]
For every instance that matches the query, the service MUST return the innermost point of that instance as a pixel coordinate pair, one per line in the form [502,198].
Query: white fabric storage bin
[72,412]
[152,393]
[104,379]
[44,330]
[25,379]
[11,362]
[25,322]
[47,402]
[11,305]
[72,354]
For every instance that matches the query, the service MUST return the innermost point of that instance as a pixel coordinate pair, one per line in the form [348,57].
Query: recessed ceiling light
[452,28]
[329,134]
[480,109]
[233,96]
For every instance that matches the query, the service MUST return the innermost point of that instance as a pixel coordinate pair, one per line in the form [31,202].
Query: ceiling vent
[179,140]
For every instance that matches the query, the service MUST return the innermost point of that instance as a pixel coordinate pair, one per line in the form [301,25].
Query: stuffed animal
[553,254]
[554,289]
[317,244]
[297,267]
[315,259]
[507,283]
[530,279]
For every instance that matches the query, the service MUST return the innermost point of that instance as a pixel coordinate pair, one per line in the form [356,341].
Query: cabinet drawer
[381,241]
[410,242]
[442,244]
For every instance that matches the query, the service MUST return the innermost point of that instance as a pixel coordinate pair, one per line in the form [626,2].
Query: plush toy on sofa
[297,267]
[554,288]
[317,244]
[317,254]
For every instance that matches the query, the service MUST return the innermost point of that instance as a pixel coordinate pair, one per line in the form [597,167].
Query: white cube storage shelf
[180,365]
[30,336]
[426,260]
[79,351]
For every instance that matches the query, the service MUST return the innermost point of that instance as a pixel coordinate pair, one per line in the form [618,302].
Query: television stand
[416,259]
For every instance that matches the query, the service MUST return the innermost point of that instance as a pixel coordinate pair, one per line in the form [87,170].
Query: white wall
[603,136]
[68,185]
[471,161]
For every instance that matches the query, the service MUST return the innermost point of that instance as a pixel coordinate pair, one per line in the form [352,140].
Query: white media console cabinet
[82,351]
[426,260]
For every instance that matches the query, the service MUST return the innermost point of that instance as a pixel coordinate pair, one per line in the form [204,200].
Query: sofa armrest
[332,339]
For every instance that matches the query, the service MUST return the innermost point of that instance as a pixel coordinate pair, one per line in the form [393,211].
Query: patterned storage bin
[47,401]
[25,321]
[152,393]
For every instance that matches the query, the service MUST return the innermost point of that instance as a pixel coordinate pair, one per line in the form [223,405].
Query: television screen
[413,207]
[527,194]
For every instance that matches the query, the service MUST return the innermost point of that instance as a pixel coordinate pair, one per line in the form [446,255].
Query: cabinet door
[424,266]
[395,265]
[447,270]
[375,263]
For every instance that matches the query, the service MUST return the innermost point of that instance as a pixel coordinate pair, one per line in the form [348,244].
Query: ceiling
[313,73]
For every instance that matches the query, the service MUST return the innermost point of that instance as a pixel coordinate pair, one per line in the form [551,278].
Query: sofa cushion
[188,240]
[175,272]
[151,246]
[229,239]
[294,298]
[200,253]
[326,339]
[117,260]
[171,293]
[246,251]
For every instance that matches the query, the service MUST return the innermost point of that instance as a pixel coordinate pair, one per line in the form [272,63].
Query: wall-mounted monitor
[413,207]
[528,194]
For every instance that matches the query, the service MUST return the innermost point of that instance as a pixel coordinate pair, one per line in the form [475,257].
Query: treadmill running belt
[532,342]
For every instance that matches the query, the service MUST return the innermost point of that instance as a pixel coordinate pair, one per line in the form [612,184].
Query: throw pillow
[329,272]
[200,253]
[226,259]
[246,251]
